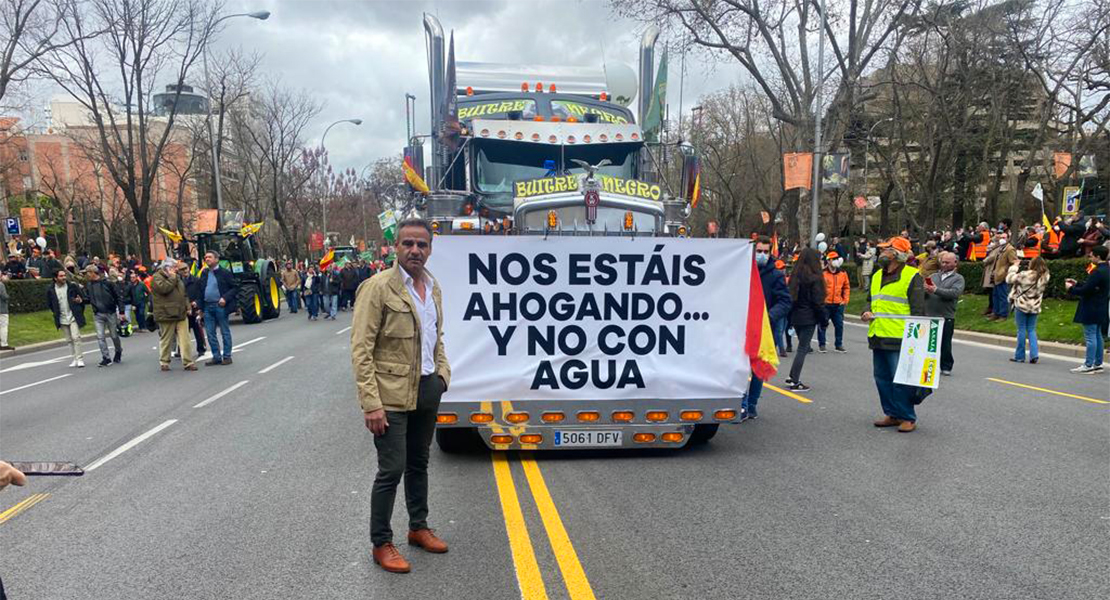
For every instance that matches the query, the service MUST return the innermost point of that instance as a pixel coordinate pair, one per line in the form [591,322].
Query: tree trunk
[884,210]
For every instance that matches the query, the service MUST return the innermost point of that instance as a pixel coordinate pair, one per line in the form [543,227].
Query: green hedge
[973,275]
[29,295]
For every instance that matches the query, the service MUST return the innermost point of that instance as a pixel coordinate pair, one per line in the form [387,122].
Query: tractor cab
[236,252]
[259,294]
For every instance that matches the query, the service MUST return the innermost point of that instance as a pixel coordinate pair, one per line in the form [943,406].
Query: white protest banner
[593,318]
[919,362]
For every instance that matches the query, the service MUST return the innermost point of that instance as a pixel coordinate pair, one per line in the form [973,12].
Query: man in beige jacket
[401,372]
[1007,256]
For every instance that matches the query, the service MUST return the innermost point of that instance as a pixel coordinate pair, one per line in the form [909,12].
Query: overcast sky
[360,57]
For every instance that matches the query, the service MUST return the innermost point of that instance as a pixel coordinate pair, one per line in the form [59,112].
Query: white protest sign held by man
[919,362]
[576,318]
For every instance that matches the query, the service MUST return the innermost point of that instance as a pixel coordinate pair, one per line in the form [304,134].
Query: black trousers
[805,337]
[947,361]
[403,450]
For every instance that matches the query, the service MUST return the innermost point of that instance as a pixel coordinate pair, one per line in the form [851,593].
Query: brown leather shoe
[165,367]
[191,368]
[907,426]
[426,539]
[887,422]
[390,559]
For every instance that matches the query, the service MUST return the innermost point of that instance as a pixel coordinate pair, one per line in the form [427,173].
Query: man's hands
[10,475]
[376,421]
[867,317]
[222,302]
[930,286]
[1068,283]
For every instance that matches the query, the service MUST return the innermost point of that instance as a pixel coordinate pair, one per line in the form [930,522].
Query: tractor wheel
[703,433]
[250,305]
[458,440]
[271,295]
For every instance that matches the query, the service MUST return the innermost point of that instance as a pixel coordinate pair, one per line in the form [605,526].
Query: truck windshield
[499,164]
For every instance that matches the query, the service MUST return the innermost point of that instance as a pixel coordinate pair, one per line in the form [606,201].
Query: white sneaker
[73,363]
[80,363]
[1082,369]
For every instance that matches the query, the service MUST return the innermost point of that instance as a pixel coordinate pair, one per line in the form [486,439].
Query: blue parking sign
[12,224]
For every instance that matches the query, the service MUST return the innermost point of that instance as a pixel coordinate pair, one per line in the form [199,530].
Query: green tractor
[259,286]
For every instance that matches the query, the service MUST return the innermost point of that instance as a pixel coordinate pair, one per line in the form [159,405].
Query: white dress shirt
[428,317]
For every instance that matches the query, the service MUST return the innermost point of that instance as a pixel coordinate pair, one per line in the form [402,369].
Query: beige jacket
[1007,257]
[385,343]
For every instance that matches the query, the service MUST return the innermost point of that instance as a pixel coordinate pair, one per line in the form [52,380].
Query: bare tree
[115,75]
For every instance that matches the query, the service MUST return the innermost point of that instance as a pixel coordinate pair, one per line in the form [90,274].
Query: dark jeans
[947,361]
[805,338]
[1001,301]
[755,390]
[894,397]
[292,299]
[836,315]
[403,450]
[346,298]
[215,317]
[311,302]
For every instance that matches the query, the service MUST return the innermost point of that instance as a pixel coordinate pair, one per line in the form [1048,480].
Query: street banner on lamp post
[797,168]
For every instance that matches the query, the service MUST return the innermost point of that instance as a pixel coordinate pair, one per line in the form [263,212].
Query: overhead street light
[324,201]
[261,15]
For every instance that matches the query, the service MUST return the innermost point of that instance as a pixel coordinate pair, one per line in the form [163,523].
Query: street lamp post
[866,164]
[324,201]
[261,15]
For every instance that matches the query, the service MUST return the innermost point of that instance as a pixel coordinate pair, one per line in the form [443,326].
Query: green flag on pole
[653,120]
[388,222]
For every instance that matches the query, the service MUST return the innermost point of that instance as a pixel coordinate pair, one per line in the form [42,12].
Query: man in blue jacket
[217,291]
[1092,312]
[777,297]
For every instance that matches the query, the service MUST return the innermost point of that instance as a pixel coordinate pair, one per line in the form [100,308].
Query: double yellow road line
[28,502]
[520,542]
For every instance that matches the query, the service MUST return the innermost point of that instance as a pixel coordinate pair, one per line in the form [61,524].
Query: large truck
[553,151]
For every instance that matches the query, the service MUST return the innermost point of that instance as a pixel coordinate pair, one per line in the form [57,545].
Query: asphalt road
[1002,492]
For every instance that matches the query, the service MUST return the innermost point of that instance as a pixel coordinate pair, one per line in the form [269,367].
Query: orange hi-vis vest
[1033,251]
[979,251]
[1053,241]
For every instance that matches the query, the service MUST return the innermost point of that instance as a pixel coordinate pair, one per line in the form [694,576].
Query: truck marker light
[518,136]
[535,137]
[724,415]
[589,416]
[553,417]
[572,120]
[672,436]
[435,226]
[604,97]
[447,418]
[556,118]
[570,139]
[619,137]
[623,415]
[537,118]
[481,418]
[501,439]
[539,87]
[628,220]
[469,91]
[635,136]
[551,88]
[466,225]
[517,417]
[603,137]
[691,415]
[553,139]
[524,87]
[586,138]
[531,438]
[552,219]
[501,134]
[644,438]
[484,133]
[657,415]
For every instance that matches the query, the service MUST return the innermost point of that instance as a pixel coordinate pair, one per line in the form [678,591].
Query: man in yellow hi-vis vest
[897,291]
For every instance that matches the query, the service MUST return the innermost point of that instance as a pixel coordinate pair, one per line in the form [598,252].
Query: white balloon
[41,241]
[820,237]
[822,247]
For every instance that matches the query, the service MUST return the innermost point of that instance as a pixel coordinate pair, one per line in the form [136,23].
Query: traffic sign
[12,225]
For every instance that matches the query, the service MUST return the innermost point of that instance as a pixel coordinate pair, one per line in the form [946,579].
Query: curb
[1003,341]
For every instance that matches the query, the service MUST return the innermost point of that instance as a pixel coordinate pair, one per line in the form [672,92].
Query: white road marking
[1010,350]
[221,394]
[344,330]
[275,365]
[23,387]
[248,342]
[128,445]
[42,363]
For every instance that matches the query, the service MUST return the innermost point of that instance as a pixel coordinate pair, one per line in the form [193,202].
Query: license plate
[587,438]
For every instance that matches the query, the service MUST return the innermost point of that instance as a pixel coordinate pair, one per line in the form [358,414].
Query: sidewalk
[1005,341]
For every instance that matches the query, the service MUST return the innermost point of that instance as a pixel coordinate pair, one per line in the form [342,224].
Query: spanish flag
[413,177]
[760,344]
[328,259]
[697,190]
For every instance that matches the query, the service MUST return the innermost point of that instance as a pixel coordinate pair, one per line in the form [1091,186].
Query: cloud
[360,58]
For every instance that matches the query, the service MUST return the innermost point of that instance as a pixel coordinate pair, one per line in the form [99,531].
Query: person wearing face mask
[942,294]
[897,291]
[837,292]
[1006,257]
[777,297]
